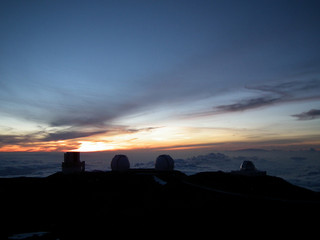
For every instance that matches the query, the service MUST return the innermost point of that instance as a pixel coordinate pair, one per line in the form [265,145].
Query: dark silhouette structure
[91,205]
[72,163]
[164,163]
[120,163]
[249,169]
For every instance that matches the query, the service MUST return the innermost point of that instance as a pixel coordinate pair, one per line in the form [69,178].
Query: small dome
[120,163]
[164,163]
[247,166]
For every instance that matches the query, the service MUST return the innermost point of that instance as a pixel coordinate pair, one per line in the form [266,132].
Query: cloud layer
[79,76]
[310,115]
[269,95]
[292,91]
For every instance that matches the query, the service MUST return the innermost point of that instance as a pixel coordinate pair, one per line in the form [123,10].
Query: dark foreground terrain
[149,203]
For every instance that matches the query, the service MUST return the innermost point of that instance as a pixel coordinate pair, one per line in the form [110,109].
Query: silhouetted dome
[247,166]
[120,163]
[164,163]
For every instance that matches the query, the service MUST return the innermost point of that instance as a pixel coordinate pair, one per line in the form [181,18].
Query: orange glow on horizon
[165,138]
[52,146]
[88,146]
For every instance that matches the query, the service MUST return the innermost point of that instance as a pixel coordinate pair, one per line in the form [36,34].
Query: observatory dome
[247,166]
[120,163]
[164,163]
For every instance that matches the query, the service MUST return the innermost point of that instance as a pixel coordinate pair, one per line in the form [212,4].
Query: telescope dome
[164,163]
[120,163]
[247,166]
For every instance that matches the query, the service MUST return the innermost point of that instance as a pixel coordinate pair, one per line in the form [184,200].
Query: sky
[120,75]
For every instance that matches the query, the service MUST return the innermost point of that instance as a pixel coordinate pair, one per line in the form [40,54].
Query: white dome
[120,163]
[247,166]
[164,163]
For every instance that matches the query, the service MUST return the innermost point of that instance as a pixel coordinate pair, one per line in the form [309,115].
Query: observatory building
[164,163]
[248,168]
[120,163]
[72,163]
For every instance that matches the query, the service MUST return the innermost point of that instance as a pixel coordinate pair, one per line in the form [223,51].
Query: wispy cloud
[30,142]
[42,136]
[290,91]
[50,139]
[7,139]
[64,135]
[293,89]
[268,95]
[310,115]
[247,104]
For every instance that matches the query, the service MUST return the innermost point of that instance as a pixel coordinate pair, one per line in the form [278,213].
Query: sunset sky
[114,75]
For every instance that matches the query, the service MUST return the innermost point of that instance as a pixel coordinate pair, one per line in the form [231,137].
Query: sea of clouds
[301,168]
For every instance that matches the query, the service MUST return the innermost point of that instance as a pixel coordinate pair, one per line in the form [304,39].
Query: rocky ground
[93,205]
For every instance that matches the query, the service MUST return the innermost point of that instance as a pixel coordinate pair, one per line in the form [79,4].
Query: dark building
[72,163]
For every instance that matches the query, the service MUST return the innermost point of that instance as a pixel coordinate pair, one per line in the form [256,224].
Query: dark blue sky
[147,73]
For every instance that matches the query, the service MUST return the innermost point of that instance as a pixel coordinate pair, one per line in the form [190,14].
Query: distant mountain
[252,150]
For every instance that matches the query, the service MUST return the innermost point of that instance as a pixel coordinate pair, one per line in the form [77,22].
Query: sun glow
[88,146]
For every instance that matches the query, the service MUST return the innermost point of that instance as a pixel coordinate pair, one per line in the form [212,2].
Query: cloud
[43,136]
[291,91]
[46,139]
[310,115]
[97,112]
[246,104]
[291,88]
[65,135]
[268,95]
[14,139]
[30,142]
[146,129]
